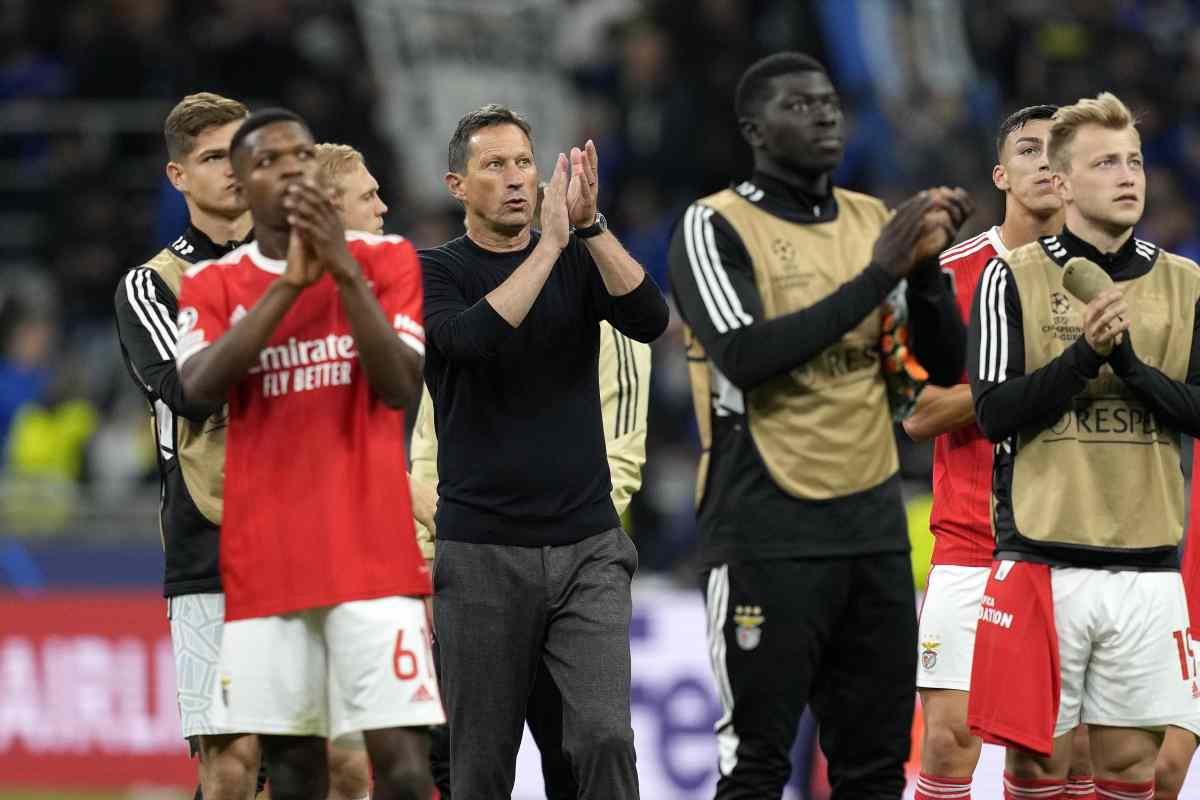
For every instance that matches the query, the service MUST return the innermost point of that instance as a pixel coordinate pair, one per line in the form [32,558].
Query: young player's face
[801,123]
[274,157]
[206,173]
[500,184]
[1025,169]
[1107,182]
[359,203]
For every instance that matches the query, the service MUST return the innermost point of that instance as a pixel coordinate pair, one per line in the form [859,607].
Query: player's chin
[1125,217]
[1044,203]
[225,207]
[514,218]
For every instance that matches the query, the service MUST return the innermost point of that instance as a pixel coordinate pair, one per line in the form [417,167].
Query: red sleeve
[397,275]
[203,313]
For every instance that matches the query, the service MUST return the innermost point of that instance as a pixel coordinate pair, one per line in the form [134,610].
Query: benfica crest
[929,653]
[749,621]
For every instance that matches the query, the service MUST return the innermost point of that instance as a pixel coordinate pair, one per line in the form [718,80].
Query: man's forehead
[278,134]
[1035,130]
[497,138]
[806,82]
[1093,139]
[217,136]
[1031,129]
[360,176]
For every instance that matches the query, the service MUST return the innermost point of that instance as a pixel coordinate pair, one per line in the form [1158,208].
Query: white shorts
[1123,650]
[196,621]
[330,671]
[949,613]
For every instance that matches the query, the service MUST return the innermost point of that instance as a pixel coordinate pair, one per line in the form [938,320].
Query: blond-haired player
[1086,403]
[355,190]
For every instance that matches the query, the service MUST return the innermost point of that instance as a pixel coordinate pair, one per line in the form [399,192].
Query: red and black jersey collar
[194,246]
[1132,260]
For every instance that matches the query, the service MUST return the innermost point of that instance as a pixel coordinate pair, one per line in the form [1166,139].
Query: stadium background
[86,697]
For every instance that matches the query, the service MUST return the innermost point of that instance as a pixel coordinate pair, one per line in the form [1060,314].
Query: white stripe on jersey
[413,342]
[993,322]
[373,238]
[974,240]
[724,308]
[948,257]
[165,418]
[152,314]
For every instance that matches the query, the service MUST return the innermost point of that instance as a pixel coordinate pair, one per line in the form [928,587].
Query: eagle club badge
[749,621]
[929,653]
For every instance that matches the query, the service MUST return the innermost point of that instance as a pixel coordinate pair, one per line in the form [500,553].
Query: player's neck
[498,241]
[273,242]
[1022,226]
[1106,239]
[218,228]
[811,184]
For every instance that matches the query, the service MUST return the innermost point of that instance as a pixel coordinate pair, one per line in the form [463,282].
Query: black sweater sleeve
[145,311]
[1006,399]
[642,314]
[460,331]
[939,338]
[1176,403]
[713,282]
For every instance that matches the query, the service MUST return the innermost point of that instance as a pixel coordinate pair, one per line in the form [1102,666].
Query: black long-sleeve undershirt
[749,349]
[1007,399]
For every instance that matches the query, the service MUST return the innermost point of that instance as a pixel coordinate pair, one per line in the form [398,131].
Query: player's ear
[454,185]
[1000,178]
[1062,186]
[751,131]
[177,176]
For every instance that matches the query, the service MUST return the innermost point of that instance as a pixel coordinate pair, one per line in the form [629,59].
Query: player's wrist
[345,270]
[594,224]
[289,286]
[553,241]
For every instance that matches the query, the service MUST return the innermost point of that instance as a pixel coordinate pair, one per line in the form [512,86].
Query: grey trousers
[499,611]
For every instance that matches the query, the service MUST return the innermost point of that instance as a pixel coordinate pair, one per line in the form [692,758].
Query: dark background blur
[85,86]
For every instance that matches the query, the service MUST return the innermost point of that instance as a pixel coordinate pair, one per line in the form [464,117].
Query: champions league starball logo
[1059,303]
[785,251]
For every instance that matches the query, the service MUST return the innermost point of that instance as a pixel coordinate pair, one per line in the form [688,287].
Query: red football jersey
[962,459]
[1191,548]
[317,506]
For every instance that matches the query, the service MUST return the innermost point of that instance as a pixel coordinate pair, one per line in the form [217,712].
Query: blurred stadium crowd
[85,85]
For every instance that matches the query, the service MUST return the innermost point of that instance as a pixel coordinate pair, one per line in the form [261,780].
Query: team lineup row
[1055,617]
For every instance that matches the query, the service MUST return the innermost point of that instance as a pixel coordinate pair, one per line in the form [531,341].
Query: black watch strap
[595,229]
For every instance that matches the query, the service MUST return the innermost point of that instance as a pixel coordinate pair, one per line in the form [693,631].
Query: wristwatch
[595,229]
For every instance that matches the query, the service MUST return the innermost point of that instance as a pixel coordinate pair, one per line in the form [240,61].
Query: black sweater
[521,459]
